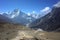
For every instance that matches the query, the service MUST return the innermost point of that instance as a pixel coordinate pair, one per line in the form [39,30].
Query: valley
[19,32]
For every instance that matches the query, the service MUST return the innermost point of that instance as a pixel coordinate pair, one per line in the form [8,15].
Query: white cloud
[57,5]
[28,14]
[45,11]
[33,12]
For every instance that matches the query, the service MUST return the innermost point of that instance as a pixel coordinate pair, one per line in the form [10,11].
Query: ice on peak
[15,13]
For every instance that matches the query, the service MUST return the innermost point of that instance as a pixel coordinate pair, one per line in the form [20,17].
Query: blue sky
[26,5]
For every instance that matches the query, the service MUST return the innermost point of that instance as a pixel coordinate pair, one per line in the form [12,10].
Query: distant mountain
[4,19]
[49,22]
[19,17]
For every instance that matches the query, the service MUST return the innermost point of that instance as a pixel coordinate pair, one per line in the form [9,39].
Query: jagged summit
[17,16]
[14,13]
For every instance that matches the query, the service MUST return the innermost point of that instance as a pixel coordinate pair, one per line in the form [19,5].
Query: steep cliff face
[49,22]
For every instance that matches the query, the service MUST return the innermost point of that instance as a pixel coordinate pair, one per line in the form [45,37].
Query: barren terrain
[19,32]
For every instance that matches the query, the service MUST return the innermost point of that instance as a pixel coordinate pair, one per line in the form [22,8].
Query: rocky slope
[50,22]
[19,32]
[13,32]
[4,19]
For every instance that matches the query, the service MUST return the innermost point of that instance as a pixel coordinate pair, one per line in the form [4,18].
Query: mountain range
[4,19]
[17,16]
[49,22]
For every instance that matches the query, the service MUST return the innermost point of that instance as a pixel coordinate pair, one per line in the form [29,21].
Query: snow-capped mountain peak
[20,17]
[14,13]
